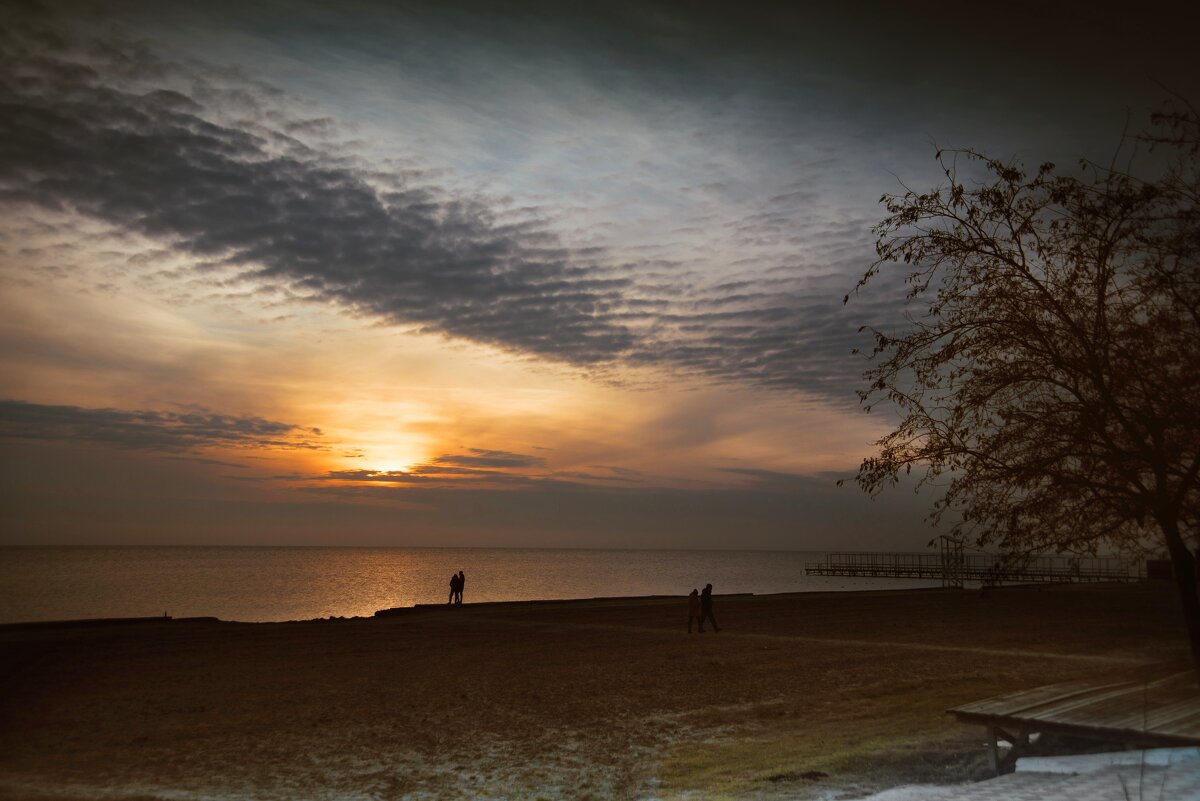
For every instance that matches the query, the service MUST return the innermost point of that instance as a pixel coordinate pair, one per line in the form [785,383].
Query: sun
[375,441]
[392,466]
[391,458]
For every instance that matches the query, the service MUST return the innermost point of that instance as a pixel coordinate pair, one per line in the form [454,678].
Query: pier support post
[1006,762]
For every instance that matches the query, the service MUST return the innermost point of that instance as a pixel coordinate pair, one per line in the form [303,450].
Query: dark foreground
[799,696]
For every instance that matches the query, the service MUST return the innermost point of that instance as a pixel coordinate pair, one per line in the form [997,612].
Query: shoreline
[801,695]
[278,584]
[403,610]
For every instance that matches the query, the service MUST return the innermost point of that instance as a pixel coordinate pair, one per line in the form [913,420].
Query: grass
[867,740]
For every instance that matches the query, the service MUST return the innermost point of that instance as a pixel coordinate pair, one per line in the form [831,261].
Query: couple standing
[457,580]
[700,609]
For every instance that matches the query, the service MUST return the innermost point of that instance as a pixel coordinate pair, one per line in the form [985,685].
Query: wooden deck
[1165,712]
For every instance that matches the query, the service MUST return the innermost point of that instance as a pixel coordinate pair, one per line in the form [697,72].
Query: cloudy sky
[490,273]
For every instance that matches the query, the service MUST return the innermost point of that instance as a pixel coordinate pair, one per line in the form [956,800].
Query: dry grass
[600,700]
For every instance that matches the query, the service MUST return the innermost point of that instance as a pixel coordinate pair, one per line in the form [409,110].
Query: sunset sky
[511,274]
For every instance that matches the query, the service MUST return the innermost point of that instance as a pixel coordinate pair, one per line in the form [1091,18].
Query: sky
[492,274]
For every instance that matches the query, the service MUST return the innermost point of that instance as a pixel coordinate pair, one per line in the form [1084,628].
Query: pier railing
[954,568]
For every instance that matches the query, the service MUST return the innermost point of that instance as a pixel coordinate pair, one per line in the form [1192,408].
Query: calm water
[261,584]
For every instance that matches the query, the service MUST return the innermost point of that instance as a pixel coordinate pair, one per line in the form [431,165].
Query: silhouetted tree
[1052,375]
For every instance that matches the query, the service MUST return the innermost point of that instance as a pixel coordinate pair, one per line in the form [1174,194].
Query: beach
[800,696]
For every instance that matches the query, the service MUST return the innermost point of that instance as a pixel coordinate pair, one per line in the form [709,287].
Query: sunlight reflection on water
[299,583]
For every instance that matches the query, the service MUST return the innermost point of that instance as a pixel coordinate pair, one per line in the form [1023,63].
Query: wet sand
[826,695]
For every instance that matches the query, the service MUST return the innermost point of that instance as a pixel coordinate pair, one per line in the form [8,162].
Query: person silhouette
[693,608]
[454,591]
[706,609]
[462,582]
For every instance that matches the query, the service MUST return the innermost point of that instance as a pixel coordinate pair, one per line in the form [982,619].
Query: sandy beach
[827,696]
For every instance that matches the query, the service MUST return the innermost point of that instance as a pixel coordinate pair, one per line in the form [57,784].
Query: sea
[258,584]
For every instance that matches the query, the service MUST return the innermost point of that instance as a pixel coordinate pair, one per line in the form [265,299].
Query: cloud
[211,462]
[485,458]
[430,476]
[437,474]
[113,496]
[477,466]
[150,430]
[211,165]
[153,162]
[585,476]
[776,481]
[623,472]
[815,514]
[381,476]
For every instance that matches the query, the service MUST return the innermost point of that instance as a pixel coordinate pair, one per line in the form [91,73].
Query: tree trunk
[1183,565]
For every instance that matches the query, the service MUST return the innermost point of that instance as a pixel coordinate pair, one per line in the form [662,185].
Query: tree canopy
[1050,371]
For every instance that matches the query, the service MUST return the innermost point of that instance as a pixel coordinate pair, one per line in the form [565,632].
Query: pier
[954,568]
[1164,713]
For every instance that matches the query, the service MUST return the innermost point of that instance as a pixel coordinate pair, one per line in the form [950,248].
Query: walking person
[693,608]
[706,612]
[462,582]
[454,590]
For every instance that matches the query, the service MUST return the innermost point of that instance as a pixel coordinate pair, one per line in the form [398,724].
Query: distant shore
[799,695]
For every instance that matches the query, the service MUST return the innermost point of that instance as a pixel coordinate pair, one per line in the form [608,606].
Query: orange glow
[388,460]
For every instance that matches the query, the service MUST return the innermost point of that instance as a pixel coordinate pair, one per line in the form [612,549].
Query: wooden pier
[954,568]
[1157,714]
